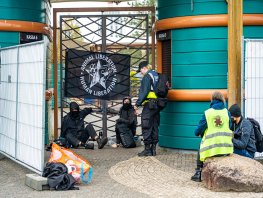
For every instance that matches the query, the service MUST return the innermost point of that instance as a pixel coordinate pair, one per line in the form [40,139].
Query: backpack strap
[152,82]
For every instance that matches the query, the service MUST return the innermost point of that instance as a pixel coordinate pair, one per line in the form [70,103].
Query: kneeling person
[126,124]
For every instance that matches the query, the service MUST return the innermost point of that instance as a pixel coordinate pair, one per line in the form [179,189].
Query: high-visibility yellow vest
[217,139]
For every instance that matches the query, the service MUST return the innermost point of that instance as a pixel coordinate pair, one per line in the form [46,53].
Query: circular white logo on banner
[98,75]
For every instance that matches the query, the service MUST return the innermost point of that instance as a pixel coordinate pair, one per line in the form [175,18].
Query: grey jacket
[244,137]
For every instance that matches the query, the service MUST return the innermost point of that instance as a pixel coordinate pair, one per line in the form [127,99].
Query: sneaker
[102,142]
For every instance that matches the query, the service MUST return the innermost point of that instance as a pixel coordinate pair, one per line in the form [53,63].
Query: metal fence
[111,33]
[253,79]
[22,104]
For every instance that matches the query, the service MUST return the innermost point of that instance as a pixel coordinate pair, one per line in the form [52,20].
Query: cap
[141,65]
[235,111]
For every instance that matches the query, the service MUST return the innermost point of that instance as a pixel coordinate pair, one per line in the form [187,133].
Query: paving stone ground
[120,173]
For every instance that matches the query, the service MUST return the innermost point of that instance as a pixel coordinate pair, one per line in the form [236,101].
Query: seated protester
[127,120]
[214,128]
[74,130]
[244,137]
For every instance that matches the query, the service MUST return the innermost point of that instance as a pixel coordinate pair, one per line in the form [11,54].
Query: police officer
[150,118]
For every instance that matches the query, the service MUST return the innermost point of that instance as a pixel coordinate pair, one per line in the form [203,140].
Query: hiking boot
[89,145]
[102,142]
[153,148]
[146,152]
[197,176]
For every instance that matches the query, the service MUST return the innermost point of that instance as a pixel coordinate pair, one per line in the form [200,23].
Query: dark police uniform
[150,118]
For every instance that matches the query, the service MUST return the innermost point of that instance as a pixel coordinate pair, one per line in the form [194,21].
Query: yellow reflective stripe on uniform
[216,151]
[218,134]
[216,146]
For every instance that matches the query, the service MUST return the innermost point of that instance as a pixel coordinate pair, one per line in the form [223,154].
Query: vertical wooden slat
[235,32]
[55,72]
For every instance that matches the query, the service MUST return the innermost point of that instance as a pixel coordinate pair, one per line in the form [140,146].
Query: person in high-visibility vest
[214,128]
[151,112]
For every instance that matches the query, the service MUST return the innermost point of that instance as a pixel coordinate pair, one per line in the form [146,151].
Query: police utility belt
[154,102]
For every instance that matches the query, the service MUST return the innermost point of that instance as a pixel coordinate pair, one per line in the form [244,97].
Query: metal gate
[22,104]
[253,79]
[110,32]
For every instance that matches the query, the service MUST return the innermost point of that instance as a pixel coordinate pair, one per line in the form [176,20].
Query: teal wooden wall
[199,61]
[177,8]
[21,10]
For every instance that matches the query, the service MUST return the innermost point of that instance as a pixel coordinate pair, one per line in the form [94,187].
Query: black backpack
[258,134]
[162,85]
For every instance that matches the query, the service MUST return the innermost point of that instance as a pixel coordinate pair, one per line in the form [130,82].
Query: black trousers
[81,135]
[199,164]
[150,119]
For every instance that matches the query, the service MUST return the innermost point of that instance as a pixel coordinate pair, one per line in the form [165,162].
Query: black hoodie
[74,122]
[127,114]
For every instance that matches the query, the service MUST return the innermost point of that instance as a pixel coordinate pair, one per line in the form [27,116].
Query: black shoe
[197,176]
[153,148]
[89,145]
[102,142]
[146,152]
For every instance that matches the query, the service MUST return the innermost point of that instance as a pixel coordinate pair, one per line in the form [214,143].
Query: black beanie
[235,110]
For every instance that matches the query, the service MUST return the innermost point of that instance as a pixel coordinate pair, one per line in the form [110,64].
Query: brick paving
[120,173]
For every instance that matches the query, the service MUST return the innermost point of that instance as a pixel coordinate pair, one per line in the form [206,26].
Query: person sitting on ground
[214,128]
[244,137]
[127,120]
[74,131]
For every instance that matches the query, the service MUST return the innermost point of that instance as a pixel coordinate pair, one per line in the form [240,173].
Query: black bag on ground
[126,136]
[58,177]
[258,134]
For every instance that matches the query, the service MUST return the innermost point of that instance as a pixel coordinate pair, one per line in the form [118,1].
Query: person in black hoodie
[244,137]
[74,131]
[127,120]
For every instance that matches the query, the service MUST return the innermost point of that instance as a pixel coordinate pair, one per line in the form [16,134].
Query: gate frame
[151,10]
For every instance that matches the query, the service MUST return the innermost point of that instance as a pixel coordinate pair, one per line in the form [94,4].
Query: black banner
[97,75]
